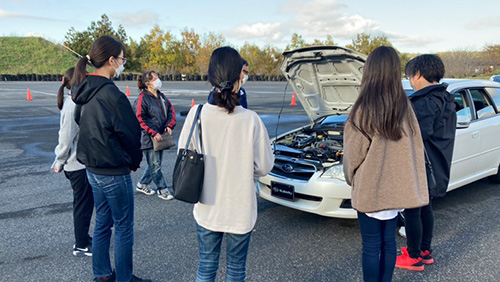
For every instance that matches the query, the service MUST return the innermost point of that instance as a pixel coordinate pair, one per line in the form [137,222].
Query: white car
[308,173]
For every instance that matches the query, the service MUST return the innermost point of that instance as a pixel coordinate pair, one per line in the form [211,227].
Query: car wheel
[495,178]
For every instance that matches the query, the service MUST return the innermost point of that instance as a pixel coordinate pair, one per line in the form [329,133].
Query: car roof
[455,84]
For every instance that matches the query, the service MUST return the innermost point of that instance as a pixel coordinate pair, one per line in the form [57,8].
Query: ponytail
[80,71]
[66,83]
[225,98]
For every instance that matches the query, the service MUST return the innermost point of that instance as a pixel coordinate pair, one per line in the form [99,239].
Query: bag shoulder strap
[196,121]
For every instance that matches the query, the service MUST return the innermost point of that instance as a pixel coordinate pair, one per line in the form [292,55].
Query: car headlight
[336,171]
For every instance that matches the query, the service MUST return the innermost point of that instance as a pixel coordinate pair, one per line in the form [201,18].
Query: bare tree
[461,63]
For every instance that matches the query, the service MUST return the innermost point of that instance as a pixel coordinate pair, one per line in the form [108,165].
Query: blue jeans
[153,173]
[209,247]
[379,247]
[114,204]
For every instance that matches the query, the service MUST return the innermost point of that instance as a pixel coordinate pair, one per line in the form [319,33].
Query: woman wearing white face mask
[108,146]
[156,115]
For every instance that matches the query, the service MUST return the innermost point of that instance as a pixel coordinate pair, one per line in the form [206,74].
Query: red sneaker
[427,257]
[406,262]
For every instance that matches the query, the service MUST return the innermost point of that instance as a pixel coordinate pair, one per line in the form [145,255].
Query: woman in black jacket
[109,148]
[156,115]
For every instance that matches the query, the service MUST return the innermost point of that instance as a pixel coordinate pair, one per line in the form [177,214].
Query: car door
[488,125]
[466,150]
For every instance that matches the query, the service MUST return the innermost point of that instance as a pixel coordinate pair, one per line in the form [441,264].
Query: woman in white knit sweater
[237,149]
[83,200]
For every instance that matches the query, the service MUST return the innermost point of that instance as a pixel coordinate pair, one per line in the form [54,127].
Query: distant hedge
[131,77]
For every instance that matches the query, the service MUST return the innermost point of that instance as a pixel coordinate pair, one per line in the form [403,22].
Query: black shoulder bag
[189,168]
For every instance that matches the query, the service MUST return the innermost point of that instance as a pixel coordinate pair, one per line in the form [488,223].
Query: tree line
[161,51]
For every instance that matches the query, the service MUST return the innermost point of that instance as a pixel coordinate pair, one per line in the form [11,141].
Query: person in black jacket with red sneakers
[435,110]
[156,115]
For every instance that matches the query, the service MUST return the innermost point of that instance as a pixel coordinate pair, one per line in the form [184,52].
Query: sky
[411,26]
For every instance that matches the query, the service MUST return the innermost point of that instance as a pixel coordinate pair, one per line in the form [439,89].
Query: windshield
[334,119]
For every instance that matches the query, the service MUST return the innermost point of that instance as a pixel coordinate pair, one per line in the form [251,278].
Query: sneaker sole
[144,192]
[409,267]
[428,261]
[166,199]
[81,254]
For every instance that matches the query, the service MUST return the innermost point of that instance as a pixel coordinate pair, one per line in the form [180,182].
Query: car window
[495,96]
[482,104]
[461,105]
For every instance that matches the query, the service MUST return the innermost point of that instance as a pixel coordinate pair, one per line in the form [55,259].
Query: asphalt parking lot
[36,234]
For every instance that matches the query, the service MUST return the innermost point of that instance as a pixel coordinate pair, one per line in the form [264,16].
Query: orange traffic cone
[192,103]
[128,92]
[28,97]
[293,103]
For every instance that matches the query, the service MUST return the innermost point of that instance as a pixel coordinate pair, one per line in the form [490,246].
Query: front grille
[293,168]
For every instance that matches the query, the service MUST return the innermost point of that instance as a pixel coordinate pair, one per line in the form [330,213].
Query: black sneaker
[110,278]
[82,252]
[137,279]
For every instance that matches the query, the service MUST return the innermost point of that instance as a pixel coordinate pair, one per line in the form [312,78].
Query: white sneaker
[143,188]
[402,231]
[164,194]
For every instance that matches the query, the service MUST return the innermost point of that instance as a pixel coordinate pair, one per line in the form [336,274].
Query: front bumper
[326,197]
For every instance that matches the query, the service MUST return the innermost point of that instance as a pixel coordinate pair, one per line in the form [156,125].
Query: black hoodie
[109,140]
[435,111]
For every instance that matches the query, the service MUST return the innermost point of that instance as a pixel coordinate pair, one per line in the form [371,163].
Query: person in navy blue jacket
[156,115]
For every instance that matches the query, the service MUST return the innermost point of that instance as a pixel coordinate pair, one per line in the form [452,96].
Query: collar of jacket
[431,88]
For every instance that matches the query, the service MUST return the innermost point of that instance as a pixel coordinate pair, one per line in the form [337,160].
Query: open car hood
[325,79]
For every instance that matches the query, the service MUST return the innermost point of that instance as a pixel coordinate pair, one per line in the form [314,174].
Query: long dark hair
[142,79]
[102,49]
[223,72]
[382,104]
[66,83]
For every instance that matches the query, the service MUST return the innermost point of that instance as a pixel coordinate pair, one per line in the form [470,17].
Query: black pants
[419,224]
[83,206]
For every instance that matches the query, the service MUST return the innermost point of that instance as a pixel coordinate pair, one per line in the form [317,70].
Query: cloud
[314,19]
[267,32]
[13,15]
[33,34]
[487,22]
[403,40]
[137,19]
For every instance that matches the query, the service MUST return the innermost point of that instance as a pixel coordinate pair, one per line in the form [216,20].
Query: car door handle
[475,134]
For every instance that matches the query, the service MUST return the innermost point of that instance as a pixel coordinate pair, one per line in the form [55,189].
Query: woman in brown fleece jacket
[383,161]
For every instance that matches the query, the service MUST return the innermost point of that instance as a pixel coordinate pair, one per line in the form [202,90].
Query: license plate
[283,191]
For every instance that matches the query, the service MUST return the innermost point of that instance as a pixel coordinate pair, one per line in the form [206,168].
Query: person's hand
[158,137]
[55,169]
[169,130]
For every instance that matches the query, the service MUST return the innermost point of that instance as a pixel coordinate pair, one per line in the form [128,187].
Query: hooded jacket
[109,142]
[152,117]
[435,111]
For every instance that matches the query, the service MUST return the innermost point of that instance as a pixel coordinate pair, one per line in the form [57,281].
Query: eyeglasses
[124,60]
[407,77]
[245,71]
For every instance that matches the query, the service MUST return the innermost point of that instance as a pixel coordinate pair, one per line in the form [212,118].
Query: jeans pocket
[103,180]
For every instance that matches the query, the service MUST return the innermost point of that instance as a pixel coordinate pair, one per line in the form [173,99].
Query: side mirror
[463,121]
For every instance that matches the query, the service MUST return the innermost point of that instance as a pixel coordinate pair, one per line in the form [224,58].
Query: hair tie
[88,57]
[226,85]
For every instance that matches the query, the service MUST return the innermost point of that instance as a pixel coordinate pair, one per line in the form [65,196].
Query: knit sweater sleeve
[356,146]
